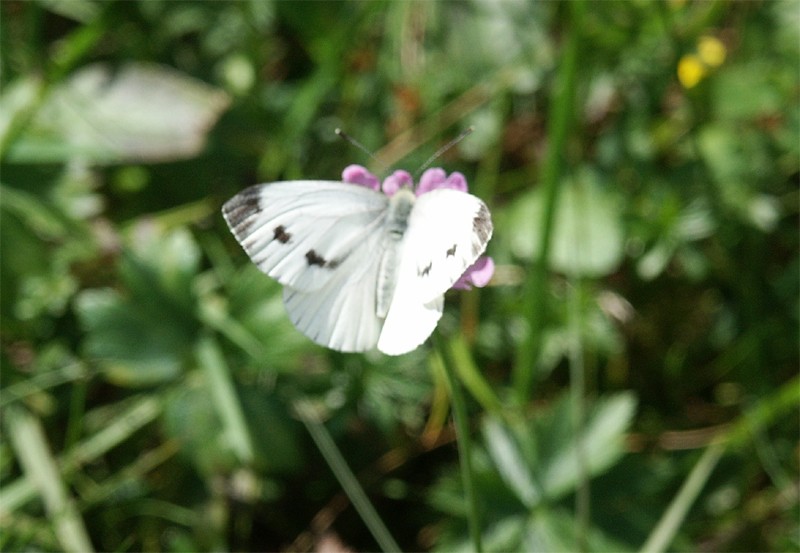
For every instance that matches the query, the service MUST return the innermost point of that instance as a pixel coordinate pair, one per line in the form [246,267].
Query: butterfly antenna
[353,142]
[444,148]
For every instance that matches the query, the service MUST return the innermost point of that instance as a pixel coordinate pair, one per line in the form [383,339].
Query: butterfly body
[360,269]
[400,206]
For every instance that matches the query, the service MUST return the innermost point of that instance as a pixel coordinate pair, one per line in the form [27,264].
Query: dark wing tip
[482,224]
[238,210]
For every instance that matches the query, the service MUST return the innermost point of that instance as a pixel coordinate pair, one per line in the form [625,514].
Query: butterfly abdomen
[400,206]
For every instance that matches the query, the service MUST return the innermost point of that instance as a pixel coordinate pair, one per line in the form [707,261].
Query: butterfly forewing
[300,232]
[447,231]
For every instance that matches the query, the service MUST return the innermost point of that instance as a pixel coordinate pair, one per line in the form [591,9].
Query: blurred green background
[630,373]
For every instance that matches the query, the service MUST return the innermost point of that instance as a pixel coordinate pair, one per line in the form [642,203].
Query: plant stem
[461,421]
[345,476]
[559,125]
[578,407]
[755,420]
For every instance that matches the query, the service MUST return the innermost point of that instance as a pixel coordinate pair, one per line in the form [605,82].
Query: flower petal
[431,180]
[478,274]
[436,178]
[456,181]
[356,174]
[396,181]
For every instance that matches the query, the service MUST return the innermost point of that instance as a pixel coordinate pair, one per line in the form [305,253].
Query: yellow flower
[711,51]
[690,70]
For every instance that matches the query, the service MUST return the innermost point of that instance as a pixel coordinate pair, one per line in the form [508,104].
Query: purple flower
[396,181]
[479,273]
[356,174]
[436,178]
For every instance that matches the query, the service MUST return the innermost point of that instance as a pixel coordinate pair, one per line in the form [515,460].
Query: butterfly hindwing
[447,231]
[409,323]
[340,315]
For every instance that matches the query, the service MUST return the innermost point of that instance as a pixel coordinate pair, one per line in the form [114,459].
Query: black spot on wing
[314,259]
[426,271]
[280,234]
[452,251]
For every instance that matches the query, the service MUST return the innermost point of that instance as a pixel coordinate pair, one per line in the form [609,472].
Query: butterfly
[363,266]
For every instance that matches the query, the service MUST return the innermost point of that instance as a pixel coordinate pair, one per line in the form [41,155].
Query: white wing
[300,232]
[447,231]
[341,315]
[322,240]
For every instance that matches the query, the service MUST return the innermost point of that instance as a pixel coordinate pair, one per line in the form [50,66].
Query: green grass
[627,382]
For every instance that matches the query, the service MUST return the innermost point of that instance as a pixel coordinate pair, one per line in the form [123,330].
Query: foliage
[631,373]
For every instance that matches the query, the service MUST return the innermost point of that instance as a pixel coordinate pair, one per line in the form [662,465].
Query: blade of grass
[749,424]
[219,320]
[577,384]
[675,514]
[345,476]
[225,400]
[461,420]
[30,444]
[43,381]
[559,125]
[140,413]
[145,463]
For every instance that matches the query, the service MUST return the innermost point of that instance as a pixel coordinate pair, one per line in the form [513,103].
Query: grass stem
[461,421]
[345,476]
[560,122]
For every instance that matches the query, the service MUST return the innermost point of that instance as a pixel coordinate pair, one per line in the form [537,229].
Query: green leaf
[587,236]
[189,418]
[35,456]
[142,112]
[36,273]
[143,337]
[603,439]
[210,434]
[134,347]
[738,160]
[746,91]
[276,435]
[555,530]
[538,459]
[18,103]
[513,466]
[79,10]
[255,320]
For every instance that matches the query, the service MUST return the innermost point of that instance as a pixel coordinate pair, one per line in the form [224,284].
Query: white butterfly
[361,268]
